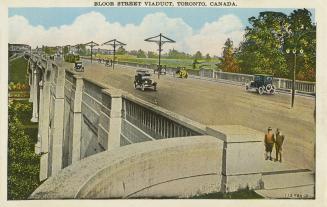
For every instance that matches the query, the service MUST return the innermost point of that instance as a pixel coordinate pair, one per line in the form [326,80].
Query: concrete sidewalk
[282,180]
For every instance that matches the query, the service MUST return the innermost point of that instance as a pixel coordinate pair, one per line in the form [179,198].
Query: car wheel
[272,90]
[261,90]
[268,87]
[143,87]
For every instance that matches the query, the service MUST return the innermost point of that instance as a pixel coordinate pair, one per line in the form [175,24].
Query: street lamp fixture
[92,44]
[114,43]
[296,51]
[160,40]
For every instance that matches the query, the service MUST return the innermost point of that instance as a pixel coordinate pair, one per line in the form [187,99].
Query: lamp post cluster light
[114,43]
[296,50]
[160,40]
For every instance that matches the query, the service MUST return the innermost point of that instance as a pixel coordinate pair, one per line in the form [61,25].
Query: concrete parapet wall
[243,156]
[178,167]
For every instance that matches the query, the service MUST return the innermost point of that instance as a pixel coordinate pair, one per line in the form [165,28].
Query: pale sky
[204,29]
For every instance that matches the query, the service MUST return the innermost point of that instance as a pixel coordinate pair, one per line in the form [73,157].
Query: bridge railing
[237,77]
[280,83]
[155,122]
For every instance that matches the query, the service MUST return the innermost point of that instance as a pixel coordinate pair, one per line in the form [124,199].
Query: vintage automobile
[79,66]
[181,72]
[143,80]
[162,69]
[262,83]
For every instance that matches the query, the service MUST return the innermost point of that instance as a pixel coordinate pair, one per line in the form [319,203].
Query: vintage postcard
[163,102]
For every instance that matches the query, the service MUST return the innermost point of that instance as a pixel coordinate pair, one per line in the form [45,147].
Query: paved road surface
[213,103]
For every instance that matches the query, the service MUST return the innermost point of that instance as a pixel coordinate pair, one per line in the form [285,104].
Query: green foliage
[140,54]
[268,37]
[18,86]
[49,50]
[240,194]
[71,58]
[121,51]
[23,164]
[65,50]
[174,54]
[152,54]
[81,49]
[18,71]
[228,61]
[197,55]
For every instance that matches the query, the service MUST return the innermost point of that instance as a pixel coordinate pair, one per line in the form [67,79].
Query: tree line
[271,43]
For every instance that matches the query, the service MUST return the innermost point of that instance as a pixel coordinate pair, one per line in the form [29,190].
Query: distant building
[19,48]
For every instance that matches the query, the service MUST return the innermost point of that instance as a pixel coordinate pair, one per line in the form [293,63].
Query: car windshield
[257,78]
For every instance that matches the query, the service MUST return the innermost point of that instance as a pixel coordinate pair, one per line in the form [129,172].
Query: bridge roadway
[214,103]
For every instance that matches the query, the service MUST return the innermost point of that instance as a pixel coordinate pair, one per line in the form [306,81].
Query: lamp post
[114,43]
[162,40]
[296,50]
[92,44]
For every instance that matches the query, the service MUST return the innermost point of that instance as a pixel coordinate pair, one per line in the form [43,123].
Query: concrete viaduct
[97,141]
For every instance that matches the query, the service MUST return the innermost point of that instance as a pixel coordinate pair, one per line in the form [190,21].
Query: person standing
[269,143]
[278,145]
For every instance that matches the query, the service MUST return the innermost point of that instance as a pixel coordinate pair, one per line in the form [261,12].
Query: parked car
[182,72]
[162,69]
[143,80]
[79,66]
[262,83]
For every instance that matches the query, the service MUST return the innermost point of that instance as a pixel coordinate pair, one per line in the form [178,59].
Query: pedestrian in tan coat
[269,143]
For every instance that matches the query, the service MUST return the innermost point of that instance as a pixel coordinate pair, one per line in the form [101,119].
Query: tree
[152,54]
[228,60]
[261,50]
[302,34]
[208,56]
[140,54]
[270,34]
[81,49]
[133,52]
[65,50]
[23,163]
[121,51]
[198,55]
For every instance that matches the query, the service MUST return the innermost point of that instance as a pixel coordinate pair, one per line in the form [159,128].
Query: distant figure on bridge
[107,63]
[278,145]
[269,143]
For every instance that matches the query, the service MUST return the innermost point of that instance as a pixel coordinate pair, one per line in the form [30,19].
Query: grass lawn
[187,63]
[18,71]
[240,194]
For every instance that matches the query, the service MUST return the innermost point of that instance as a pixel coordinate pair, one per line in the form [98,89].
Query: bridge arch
[177,167]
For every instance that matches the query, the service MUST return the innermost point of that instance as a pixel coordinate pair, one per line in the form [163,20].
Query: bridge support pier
[115,118]
[57,123]
[35,115]
[44,128]
[38,144]
[77,117]
[30,80]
